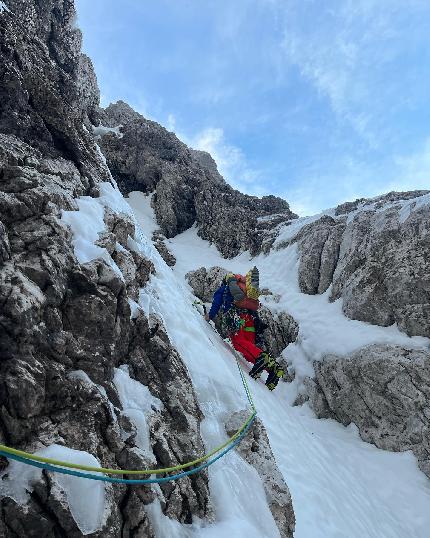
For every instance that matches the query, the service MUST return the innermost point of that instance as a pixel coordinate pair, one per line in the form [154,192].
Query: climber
[237,297]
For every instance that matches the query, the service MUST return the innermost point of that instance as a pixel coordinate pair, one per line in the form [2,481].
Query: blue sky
[316,101]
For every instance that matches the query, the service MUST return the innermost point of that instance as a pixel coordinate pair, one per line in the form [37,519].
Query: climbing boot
[263,361]
[258,367]
[275,375]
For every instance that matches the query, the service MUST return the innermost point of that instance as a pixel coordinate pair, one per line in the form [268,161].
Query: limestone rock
[205,282]
[385,391]
[4,245]
[377,261]
[58,316]
[255,449]
[187,186]
[282,329]
[159,241]
[47,88]
[176,433]
[319,245]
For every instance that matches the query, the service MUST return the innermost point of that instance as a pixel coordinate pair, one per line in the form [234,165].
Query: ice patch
[88,222]
[134,308]
[102,130]
[138,403]
[86,498]
[413,205]
[143,211]
[290,230]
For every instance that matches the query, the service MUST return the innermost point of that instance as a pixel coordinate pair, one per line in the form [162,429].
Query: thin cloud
[231,161]
[344,49]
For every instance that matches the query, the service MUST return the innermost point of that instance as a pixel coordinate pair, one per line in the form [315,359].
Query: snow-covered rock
[159,241]
[188,188]
[104,358]
[377,260]
[385,391]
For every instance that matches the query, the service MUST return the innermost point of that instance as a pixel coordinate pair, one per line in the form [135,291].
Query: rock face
[188,187]
[160,244]
[176,431]
[255,449]
[281,329]
[58,317]
[378,260]
[65,326]
[319,245]
[48,90]
[385,391]
[205,282]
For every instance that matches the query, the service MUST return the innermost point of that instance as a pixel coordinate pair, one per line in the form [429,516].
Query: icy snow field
[341,486]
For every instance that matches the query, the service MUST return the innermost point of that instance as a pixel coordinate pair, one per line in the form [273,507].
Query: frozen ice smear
[102,130]
[86,224]
[137,403]
[86,498]
[341,487]
[141,205]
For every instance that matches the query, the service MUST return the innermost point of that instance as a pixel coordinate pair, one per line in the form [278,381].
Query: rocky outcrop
[377,202]
[175,432]
[159,242]
[384,390]
[204,282]
[65,326]
[280,329]
[319,245]
[59,316]
[255,449]
[377,261]
[188,187]
[48,90]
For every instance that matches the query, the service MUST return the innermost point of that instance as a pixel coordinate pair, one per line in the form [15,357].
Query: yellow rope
[60,463]
[42,459]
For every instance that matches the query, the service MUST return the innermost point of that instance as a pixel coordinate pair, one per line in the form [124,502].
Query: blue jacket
[222,297]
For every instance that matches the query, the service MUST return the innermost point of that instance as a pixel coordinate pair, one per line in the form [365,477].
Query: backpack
[249,284]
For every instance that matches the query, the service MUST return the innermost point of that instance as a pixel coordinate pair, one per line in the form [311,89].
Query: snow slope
[341,487]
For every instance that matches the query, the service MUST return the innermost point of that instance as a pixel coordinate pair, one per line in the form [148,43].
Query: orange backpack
[250,301]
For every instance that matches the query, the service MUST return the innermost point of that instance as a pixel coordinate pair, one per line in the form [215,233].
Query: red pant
[244,341]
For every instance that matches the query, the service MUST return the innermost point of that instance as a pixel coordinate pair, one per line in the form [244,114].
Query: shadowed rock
[188,187]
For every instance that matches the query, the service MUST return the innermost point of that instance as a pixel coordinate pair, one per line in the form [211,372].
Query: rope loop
[75,469]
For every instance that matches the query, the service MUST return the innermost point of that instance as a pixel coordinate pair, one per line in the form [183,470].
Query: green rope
[15,454]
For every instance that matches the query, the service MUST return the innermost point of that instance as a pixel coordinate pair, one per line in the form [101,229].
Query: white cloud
[345,49]
[171,123]
[231,162]
[413,171]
